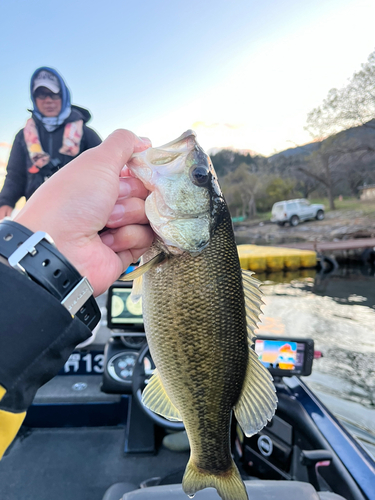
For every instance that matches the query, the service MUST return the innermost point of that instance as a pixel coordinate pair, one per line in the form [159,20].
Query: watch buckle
[28,247]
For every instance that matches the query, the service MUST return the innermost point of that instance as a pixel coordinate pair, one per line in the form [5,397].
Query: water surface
[338,312]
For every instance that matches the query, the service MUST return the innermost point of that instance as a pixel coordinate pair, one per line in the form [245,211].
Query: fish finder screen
[123,309]
[281,354]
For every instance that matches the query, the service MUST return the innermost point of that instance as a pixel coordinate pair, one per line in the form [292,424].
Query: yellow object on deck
[261,258]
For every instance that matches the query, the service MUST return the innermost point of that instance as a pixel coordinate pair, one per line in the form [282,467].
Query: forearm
[37,335]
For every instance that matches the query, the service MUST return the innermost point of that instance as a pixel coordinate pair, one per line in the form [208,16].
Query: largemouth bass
[200,311]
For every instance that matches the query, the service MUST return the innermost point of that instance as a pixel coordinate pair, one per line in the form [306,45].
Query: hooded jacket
[34,346]
[19,181]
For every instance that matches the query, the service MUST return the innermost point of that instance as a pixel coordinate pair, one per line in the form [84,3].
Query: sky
[241,73]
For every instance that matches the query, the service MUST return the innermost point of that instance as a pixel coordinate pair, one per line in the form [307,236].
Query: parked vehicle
[295,211]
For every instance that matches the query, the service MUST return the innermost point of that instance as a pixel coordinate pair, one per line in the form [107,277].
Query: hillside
[362,135]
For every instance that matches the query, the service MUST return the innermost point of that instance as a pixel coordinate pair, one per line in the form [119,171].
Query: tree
[272,189]
[227,160]
[345,124]
[287,167]
[239,188]
[350,106]
[322,165]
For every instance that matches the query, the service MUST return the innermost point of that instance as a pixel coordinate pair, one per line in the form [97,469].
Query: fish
[200,311]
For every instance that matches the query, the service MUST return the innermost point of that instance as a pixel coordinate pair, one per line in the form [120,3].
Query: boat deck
[77,463]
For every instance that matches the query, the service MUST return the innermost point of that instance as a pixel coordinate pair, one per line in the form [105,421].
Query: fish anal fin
[156,399]
[257,403]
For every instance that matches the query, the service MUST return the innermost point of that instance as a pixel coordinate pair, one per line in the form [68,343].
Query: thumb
[114,152]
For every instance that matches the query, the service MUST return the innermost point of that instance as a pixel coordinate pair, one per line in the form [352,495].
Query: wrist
[35,256]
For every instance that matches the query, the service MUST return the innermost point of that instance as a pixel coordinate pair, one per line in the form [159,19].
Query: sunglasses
[41,94]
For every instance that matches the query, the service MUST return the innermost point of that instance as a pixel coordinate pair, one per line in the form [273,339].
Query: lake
[338,312]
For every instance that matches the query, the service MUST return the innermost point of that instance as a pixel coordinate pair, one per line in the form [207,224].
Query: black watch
[35,256]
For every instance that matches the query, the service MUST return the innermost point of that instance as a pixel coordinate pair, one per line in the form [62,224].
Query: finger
[127,211]
[132,187]
[125,172]
[112,153]
[134,236]
[146,143]
[131,256]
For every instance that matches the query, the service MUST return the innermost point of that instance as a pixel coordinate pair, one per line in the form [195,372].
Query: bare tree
[350,106]
[320,166]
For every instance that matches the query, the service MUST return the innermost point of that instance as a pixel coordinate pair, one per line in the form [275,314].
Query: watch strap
[35,255]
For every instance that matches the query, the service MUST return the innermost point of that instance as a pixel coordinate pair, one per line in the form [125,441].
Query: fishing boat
[87,435]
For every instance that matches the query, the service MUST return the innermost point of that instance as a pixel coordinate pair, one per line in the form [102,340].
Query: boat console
[87,435]
[295,446]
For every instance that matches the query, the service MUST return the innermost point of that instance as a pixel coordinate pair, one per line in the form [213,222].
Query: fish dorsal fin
[253,302]
[142,269]
[257,402]
[156,399]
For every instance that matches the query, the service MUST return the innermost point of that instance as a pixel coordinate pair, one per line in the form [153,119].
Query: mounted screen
[285,356]
[122,312]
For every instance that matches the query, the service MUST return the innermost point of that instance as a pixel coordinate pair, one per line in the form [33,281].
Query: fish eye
[200,175]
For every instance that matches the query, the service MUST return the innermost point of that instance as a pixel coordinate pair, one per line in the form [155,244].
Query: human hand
[84,197]
[5,211]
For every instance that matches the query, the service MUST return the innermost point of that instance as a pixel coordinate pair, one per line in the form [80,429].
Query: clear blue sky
[242,73]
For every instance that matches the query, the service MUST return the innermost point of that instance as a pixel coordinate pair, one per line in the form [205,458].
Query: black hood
[78,113]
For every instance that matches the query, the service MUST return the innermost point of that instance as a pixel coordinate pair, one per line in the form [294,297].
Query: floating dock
[272,259]
[329,246]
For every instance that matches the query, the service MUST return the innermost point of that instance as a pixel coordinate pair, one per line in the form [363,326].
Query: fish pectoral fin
[143,268]
[136,294]
[156,399]
[257,402]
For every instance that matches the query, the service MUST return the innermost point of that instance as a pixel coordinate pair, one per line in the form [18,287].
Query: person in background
[54,135]
[39,330]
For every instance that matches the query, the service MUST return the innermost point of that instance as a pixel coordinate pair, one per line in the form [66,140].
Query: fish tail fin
[229,485]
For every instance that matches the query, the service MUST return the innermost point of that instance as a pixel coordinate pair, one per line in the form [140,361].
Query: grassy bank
[366,207]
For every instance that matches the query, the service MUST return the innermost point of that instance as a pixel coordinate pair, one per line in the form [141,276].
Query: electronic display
[285,356]
[122,312]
